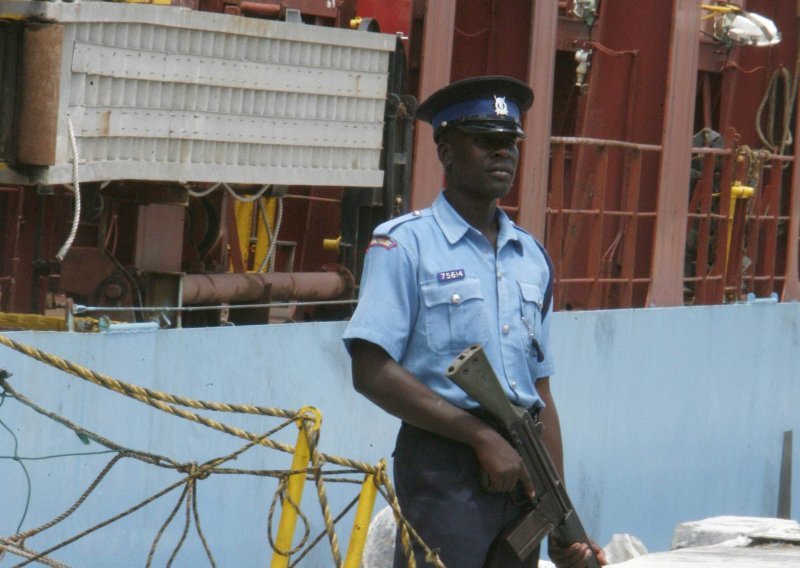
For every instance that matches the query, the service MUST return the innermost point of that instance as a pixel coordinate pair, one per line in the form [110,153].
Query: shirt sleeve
[388,298]
[547,367]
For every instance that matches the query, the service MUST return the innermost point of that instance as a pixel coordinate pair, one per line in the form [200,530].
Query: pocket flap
[531,292]
[435,293]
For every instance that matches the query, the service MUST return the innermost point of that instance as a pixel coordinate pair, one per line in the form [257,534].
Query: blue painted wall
[672,415]
[668,415]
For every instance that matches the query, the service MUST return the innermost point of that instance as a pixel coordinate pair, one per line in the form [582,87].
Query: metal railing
[596,221]
[601,219]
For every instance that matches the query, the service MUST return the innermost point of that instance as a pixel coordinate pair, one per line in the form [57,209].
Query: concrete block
[715,530]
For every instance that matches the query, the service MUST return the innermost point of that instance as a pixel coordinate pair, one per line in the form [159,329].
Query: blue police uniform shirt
[432,286]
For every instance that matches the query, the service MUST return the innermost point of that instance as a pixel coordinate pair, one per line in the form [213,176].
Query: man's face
[479,165]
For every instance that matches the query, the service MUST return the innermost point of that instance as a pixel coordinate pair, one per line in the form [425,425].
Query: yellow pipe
[738,191]
[246,216]
[332,245]
[366,504]
[721,8]
[294,488]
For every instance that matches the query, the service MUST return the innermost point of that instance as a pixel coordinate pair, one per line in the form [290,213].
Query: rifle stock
[552,511]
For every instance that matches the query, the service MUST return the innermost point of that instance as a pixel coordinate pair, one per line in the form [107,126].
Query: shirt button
[506,329]
[499,275]
[455,298]
[513,384]
[416,214]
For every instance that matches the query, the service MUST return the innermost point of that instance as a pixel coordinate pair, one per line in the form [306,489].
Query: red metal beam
[791,286]
[437,56]
[673,186]
[555,229]
[534,168]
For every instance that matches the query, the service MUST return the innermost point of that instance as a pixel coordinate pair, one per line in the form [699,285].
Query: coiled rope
[170,404]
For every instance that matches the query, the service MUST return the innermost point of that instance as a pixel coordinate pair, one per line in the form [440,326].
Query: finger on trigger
[527,484]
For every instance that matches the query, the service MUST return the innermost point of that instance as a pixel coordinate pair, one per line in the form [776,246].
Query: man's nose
[503,149]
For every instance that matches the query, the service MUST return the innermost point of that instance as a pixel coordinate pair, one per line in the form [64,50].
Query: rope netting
[309,463]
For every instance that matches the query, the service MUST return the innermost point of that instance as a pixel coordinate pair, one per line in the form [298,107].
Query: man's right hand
[501,462]
[378,377]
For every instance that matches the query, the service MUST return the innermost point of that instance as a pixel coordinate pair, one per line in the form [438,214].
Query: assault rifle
[551,512]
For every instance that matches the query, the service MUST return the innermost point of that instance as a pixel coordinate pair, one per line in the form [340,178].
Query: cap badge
[500,106]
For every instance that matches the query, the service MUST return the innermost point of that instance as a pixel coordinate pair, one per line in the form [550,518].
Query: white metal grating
[165,93]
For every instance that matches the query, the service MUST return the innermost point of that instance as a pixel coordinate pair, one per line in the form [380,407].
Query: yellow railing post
[366,504]
[294,488]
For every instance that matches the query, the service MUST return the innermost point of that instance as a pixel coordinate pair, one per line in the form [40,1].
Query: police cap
[479,105]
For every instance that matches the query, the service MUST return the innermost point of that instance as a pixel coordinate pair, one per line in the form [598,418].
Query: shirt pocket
[455,315]
[531,298]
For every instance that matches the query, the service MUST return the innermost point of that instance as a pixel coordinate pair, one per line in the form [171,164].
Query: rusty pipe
[40,80]
[261,9]
[286,286]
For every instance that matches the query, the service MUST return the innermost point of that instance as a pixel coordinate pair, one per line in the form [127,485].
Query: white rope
[229,189]
[273,236]
[204,192]
[75,188]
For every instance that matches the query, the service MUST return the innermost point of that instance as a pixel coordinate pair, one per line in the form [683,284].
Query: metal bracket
[293,16]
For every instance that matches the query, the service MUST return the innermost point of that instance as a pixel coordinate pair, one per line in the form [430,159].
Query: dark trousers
[439,492]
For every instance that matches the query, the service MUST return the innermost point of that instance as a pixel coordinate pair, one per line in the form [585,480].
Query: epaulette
[387,227]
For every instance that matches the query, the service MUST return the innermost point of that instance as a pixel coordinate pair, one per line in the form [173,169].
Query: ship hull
[653,435]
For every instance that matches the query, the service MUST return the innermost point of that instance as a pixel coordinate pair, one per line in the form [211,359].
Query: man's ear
[445,152]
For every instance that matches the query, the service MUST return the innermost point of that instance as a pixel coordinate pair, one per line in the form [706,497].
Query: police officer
[435,282]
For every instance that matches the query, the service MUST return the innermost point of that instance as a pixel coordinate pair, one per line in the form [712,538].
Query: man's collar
[507,231]
[455,227]
[450,222]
